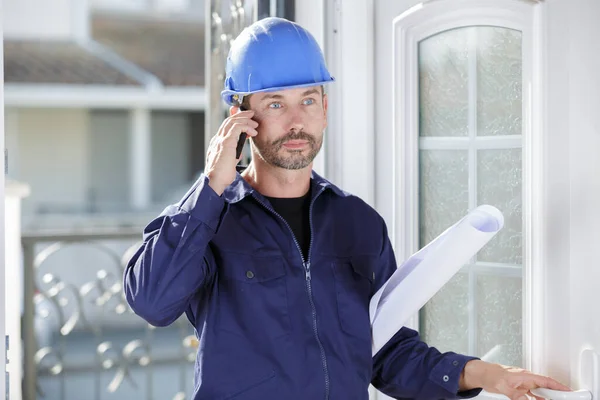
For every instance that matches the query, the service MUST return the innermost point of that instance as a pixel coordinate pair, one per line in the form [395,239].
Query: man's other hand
[515,383]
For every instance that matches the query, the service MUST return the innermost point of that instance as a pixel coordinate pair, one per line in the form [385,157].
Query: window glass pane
[170,156]
[499,178]
[470,86]
[109,150]
[446,323]
[444,93]
[499,84]
[444,194]
[499,300]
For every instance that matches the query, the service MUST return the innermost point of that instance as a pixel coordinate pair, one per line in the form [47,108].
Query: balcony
[81,340]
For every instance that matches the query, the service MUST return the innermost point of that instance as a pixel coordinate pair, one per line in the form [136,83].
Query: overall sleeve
[406,367]
[174,260]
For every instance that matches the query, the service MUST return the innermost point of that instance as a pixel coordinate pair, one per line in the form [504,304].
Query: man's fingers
[231,139]
[559,386]
[237,129]
[242,113]
[243,116]
[546,382]
[245,121]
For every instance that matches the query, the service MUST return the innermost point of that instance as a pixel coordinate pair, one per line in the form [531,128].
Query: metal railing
[81,340]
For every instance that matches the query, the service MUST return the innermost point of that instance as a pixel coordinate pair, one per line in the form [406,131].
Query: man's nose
[296,122]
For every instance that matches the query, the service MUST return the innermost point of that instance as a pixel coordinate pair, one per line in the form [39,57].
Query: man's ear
[234,110]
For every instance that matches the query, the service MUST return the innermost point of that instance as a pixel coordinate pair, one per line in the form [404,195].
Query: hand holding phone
[241,140]
[224,151]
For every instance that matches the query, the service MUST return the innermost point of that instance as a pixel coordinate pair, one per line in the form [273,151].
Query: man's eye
[275,105]
[308,102]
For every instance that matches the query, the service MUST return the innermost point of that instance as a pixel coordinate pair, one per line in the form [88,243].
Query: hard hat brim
[227,95]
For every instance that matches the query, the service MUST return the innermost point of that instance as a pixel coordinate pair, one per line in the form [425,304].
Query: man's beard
[291,159]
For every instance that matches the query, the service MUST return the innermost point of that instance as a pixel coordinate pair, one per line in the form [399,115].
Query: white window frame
[3,388]
[425,20]
[350,139]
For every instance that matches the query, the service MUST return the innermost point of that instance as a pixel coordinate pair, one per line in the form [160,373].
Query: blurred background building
[104,107]
[104,126]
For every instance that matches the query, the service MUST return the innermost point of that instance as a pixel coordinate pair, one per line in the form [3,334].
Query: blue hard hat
[273,54]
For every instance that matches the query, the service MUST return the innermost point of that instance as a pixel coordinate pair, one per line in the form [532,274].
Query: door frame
[349,43]
[409,28]
[3,388]
[387,187]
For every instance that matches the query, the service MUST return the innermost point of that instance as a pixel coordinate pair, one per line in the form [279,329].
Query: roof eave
[29,95]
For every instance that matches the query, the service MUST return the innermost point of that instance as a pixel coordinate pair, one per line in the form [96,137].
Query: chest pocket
[253,297]
[354,284]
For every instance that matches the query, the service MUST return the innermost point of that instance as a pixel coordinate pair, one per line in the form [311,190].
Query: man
[275,266]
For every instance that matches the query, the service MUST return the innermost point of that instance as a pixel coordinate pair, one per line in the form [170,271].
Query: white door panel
[458,71]
[561,142]
[583,105]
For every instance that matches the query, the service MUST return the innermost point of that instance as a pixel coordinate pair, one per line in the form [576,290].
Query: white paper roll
[423,274]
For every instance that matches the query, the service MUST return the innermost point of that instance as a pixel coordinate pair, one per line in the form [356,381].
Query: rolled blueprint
[423,274]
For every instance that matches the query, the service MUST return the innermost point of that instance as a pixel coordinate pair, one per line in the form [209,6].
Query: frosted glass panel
[499,319]
[444,194]
[499,87]
[445,318]
[443,85]
[499,177]
[470,87]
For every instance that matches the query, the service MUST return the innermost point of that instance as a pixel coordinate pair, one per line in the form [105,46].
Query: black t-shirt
[296,213]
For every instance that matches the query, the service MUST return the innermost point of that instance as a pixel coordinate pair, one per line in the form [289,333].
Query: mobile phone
[241,141]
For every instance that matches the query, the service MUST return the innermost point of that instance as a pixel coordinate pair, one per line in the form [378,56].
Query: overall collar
[241,189]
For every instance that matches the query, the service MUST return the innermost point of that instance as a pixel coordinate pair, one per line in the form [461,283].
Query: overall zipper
[306,265]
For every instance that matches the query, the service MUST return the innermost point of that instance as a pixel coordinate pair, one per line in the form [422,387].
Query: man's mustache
[300,135]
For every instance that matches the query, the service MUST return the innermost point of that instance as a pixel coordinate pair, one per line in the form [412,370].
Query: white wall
[558,295]
[149,5]
[48,19]
[52,155]
[584,135]
[116,4]
[572,146]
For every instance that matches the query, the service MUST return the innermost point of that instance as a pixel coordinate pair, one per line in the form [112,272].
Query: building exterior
[104,123]
[109,100]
